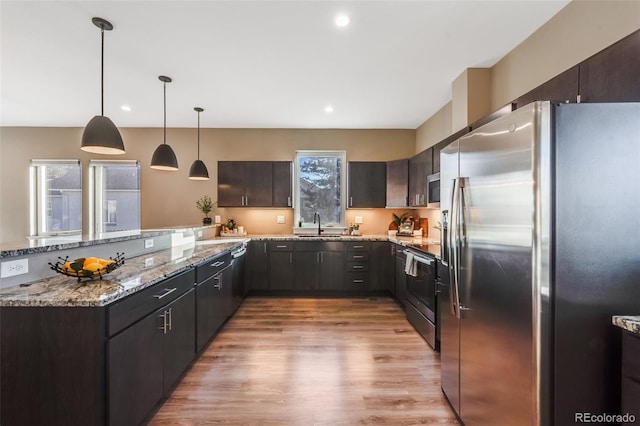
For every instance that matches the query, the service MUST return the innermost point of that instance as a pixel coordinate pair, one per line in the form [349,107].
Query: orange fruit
[90,260]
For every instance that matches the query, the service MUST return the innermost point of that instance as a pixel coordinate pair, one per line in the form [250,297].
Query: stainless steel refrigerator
[541,236]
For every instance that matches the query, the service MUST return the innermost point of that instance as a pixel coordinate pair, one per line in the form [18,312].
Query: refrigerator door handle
[462,240]
[453,250]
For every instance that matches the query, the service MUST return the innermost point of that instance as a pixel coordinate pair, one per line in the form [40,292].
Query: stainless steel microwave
[433,190]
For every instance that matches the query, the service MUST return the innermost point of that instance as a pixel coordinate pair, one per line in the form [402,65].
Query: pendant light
[164,158]
[101,136]
[198,169]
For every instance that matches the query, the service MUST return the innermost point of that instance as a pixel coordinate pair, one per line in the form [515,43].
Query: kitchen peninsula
[107,351]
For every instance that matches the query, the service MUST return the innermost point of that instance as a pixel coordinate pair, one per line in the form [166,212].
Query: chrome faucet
[316,214]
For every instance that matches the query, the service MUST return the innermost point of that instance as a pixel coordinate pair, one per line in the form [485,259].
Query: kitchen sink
[317,236]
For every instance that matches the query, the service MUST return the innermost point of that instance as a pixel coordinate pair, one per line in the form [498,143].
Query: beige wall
[168,198]
[578,31]
[436,128]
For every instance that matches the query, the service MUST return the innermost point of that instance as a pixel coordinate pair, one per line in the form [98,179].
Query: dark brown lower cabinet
[630,377]
[146,360]
[280,265]
[400,278]
[96,365]
[213,305]
[319,265]
[381,265]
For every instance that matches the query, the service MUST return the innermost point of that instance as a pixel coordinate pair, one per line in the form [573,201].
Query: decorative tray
[88,268]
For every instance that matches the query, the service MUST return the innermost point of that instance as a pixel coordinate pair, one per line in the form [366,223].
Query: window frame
[342,155]
[40,204]
[97,204]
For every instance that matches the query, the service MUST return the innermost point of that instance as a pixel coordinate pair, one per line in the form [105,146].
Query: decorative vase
[206,221]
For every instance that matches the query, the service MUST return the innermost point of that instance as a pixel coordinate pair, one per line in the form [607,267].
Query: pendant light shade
[101,136]
[198,169]
[163,157]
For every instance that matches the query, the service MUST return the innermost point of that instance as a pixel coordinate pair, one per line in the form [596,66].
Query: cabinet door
[257,266]
[381,265]
[307,270]
[367,184]
[179,343]
[563,87]
[282,193]
[231,183]
[398,183]
[612,74]
[135,371]
[332,269]
[258,184]
[420,166]
[208,311]
[281,270]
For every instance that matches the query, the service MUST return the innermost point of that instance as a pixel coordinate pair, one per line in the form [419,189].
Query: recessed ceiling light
[342,20]
[328,109]
[125,108]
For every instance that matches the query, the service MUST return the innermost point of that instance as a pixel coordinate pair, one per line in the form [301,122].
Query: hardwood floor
[291,361]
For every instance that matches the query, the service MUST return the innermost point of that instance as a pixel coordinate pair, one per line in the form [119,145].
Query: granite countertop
[136,274]
[627,322]
[133,276]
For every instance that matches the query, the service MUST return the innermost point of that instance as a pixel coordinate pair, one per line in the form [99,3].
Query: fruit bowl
[87,267]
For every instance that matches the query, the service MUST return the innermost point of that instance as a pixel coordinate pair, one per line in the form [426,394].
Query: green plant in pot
[397,221]
[205,205]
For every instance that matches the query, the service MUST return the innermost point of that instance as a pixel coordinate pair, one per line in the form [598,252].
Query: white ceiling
[256,64]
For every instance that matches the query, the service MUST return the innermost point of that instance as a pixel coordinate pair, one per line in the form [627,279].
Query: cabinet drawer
[130,309]
[357,281]
[358,256]
[358,246]
[212,266]
[357,266]
[280,245]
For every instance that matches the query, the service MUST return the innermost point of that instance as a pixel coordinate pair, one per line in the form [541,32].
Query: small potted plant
[396,222]
[205,205]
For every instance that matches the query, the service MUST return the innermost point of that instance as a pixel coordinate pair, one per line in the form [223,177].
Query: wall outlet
[14,267]
[216,218]
[358,219]
[279,219]
[148,262]
[200,233]
[148,243]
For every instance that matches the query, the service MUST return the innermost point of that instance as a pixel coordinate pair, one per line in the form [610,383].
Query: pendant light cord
[198,135]
[102,74]
[165,112]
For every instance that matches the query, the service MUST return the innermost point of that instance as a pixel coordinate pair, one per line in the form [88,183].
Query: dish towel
[410,267]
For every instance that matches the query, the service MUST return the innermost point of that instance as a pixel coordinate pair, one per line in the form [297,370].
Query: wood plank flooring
[298,361]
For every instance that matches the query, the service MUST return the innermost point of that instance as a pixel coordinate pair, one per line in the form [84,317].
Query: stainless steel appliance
[237,268]
[433,190]
[421,294]
[537,267]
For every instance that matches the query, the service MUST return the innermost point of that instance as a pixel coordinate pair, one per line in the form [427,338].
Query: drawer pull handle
[281,246]
[358,281]
[358,257]
[218,263]
[167,291]
[356,247]
[358,267]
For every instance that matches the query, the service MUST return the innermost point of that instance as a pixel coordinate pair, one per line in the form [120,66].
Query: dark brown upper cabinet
[367,184]
[613,74]
[254,184]
[282,191]
[398,183]
[562,88]
[610,75]
[420,166]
